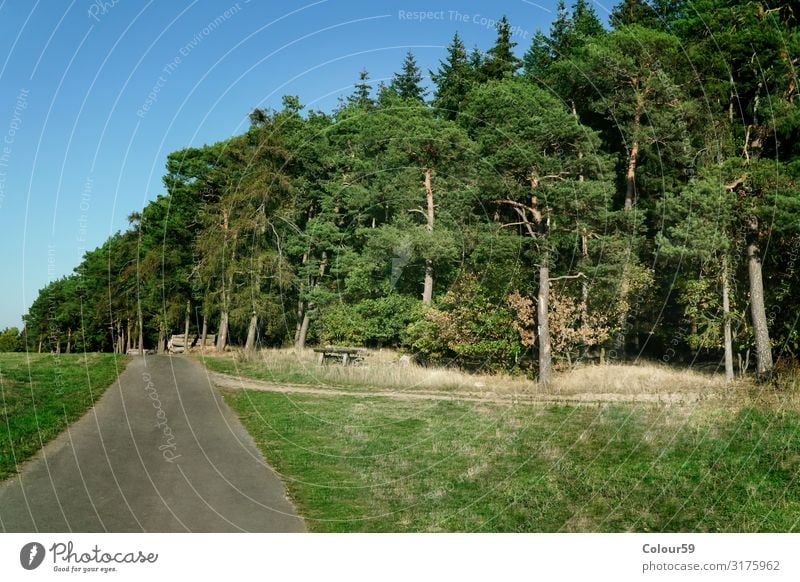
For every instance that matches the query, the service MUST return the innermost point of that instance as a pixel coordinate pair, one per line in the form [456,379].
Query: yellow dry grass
[383,369]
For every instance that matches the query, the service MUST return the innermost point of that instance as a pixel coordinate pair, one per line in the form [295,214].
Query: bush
[469,328]
[372,322]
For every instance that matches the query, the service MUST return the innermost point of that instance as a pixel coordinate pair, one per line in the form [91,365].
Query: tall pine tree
[500,61]
[407,84]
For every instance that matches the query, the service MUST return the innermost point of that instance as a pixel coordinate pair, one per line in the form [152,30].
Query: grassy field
[40,394]
[380,463]
[382,372]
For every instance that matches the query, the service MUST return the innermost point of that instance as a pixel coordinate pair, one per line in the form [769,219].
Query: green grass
[381,464]
[40,394]
[287,373]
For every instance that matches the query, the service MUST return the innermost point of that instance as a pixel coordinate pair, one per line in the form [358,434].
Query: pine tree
[362,94]
[537,61]
[407,84]
[630,12]
[453,80]
[585,23]
[568,34]
[561,29]
[501,61]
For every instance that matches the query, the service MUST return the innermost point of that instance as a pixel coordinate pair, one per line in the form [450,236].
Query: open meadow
[385,447]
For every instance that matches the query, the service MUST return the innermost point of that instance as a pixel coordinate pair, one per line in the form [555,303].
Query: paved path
[160,452]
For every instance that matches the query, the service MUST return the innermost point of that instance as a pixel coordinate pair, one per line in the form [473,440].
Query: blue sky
[95,94]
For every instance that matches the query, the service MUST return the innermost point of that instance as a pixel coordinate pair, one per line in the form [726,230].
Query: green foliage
[468,328]
[407,84]
[454,79]
[632,161]
[10,340]
[500,61]
[380,322]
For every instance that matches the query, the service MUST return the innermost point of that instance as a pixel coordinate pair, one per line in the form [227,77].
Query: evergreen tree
[500,60]
[629,12]
[362,94]
[453,80]
[407,84]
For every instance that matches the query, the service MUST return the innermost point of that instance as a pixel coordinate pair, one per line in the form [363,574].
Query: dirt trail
[225,381]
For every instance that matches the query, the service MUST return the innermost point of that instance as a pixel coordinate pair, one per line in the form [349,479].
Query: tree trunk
[633,156]
[205,331]
[128,337]
[584,280]
[160,348]
[69,340]
[141,333]
[250,344]
[303,333]
[40,343]
[301,307]
[186,328]
[427,293]
[301,319]
[223,331]
[759,315]
[542,309]
[620,339]
[306,321]
[726,315]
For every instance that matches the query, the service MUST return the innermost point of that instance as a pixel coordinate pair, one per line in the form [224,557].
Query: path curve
[159,452]
[228,382]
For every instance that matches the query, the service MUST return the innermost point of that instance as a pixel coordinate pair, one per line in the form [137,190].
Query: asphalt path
[159,452]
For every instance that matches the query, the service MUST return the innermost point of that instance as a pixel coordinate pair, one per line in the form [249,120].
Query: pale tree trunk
[427,293]
[250,344]
[758,315]
[726,315]
[40,344]
[223,330]
[543,321]
[128,337]
[222,338]
[141,333]
[624,291]
[186,328]
[630,194]
[69,339]
[205,331]
[160,348]
[584,280]
[301,308]
[633,156]
[303,332]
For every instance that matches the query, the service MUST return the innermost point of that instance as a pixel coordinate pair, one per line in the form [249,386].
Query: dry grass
[383,371]
[639,378]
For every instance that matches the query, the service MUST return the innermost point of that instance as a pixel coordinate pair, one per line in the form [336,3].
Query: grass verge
[380,464]
[40,394]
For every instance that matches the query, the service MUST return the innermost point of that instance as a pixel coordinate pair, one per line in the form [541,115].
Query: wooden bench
[346,355]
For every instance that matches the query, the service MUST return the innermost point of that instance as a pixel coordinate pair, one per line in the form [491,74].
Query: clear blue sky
[78,150]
